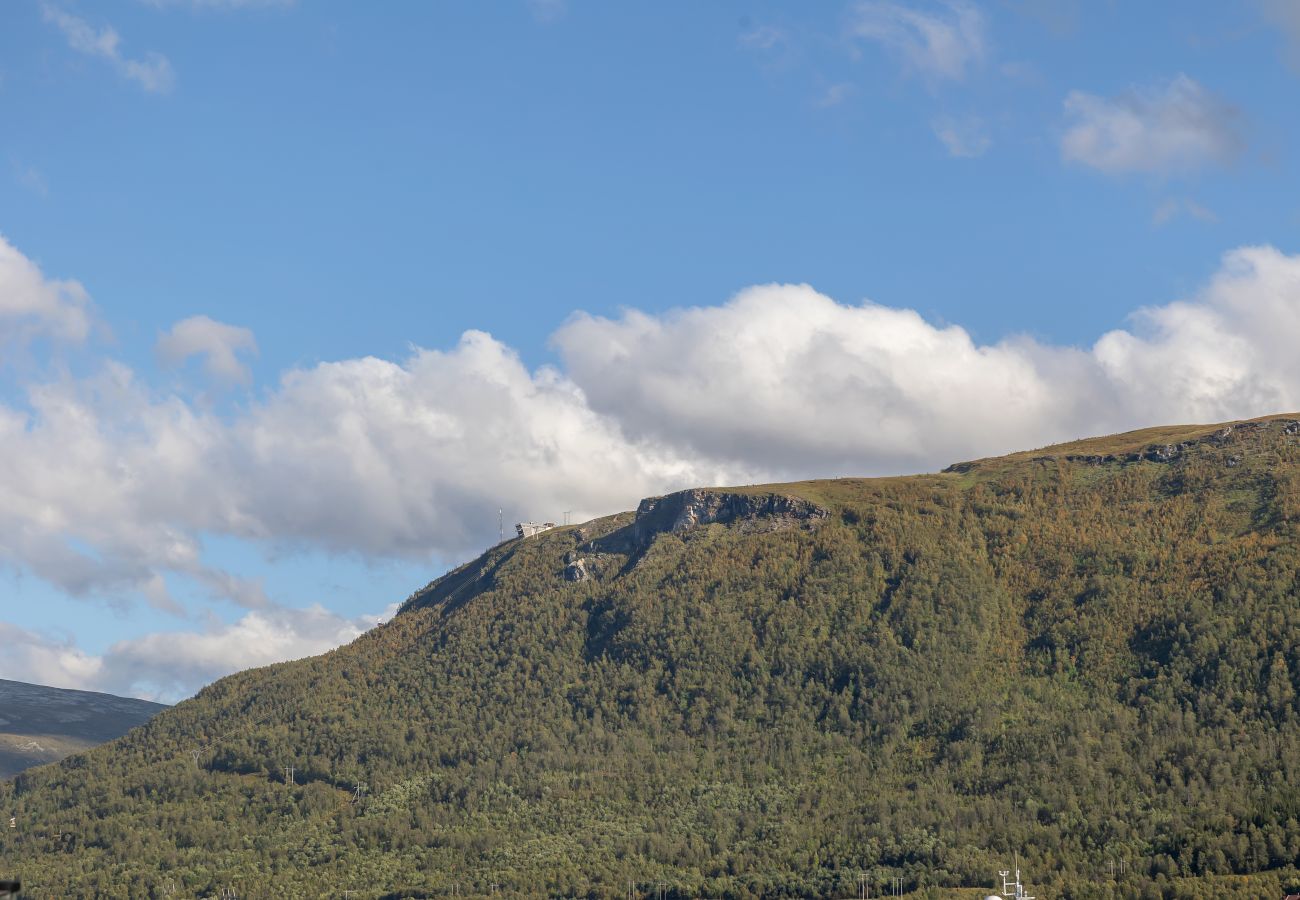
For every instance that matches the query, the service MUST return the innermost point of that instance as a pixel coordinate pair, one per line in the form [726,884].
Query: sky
[295,296]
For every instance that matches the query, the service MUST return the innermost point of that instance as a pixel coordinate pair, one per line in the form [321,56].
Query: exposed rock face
[576,570]
[688,509]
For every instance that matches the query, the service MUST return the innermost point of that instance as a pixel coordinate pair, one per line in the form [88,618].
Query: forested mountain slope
[1085,655]
[41,724]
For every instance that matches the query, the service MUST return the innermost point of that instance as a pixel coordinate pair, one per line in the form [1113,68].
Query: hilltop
[41,724]
[1083,654]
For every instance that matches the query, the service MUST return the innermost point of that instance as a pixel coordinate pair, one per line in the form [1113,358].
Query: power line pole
[288,775]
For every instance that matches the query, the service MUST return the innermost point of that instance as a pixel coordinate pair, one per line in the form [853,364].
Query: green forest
[1084,657]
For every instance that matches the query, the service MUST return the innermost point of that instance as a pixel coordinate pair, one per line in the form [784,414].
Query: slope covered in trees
[1084,655]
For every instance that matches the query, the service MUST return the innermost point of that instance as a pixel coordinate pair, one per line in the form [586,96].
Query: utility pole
[863,891]
[501,526]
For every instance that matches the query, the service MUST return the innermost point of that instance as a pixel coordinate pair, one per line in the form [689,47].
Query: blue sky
[254,423]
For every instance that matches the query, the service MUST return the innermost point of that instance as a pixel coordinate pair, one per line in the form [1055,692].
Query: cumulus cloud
[936,45]
[787,380]
[47,659]
[31,304]
[218,343]
[1170,128]
[964,138]
[169,666]
[153,72]
[1224,351]
[411,457]
[110,485]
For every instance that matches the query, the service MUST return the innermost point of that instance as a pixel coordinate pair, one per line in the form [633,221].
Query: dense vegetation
[1085,656]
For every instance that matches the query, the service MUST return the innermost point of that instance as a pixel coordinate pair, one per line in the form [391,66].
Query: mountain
[44,724]
[1084,656]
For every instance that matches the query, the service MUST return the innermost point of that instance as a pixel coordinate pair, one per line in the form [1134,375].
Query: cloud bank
[111,484]
[167,666]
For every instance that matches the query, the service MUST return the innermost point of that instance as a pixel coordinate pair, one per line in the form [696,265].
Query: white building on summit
[528,529]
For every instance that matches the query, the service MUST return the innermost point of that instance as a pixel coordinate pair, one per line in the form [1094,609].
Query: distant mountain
[1086,656]
[44,724]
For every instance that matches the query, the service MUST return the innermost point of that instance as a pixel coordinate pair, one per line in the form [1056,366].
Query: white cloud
[1165,129]
[413,457]
[153,72]
[110,486]
[46,659]
[937,46]
[171,665]
[1227,353]
[31,304]
[965,137]
[788,381]
[218,343]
